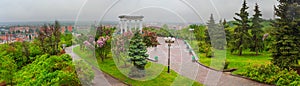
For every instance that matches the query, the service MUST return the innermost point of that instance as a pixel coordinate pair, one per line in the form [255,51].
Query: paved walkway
[181,62]
[100,79]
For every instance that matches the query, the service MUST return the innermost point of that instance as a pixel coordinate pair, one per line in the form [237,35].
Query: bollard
[190,51]
[156,58]
[193,58]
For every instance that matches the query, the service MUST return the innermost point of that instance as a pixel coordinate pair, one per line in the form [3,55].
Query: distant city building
[25,33]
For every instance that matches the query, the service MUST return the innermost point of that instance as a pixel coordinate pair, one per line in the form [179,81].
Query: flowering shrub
[272,74]
[101,41]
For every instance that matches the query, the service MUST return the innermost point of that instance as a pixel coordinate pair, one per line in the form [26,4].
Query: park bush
[272,74]
[54,70]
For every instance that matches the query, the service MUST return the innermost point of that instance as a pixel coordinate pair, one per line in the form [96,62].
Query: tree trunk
[240,48]
[256,48]
[241,51]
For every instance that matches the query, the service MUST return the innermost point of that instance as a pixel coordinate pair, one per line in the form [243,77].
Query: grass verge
[239,62]
[163,79]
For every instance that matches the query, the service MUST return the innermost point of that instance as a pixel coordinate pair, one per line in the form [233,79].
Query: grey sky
[153,10]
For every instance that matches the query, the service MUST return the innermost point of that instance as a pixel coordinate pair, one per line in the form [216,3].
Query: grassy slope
[164,79]
[239,62]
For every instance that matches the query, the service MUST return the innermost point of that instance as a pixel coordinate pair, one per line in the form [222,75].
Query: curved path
[100,79]
[181,62]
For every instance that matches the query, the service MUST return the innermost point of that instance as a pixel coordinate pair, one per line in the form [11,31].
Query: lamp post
[191,30]
[169,40]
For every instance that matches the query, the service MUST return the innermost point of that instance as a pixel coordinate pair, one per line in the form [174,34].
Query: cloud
[154,10]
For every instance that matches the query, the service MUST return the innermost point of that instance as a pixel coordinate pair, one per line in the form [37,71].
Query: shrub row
[272,74]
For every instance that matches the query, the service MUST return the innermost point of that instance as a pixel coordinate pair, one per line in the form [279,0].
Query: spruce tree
[256,31]
[241,36]
[227,31]
[211,26]
[285,48]
[219,37]
[137,55]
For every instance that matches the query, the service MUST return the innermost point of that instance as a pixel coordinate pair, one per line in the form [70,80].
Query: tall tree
[218,36]
[211,27]
[241,36]
[56,33]
[49,37]
[286,35]
[227,31]
[256,31]
[137,55]
[199,33]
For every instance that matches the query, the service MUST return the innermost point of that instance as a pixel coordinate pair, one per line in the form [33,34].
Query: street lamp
[191,30]
[169,40]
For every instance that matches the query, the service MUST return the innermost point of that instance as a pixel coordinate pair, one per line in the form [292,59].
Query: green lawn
[163,79]
[236,61]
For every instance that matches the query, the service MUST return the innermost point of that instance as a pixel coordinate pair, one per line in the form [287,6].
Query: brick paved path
[181,62]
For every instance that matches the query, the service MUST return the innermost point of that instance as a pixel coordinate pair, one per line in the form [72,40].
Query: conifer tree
[241,36]
[211,26]
[137,55]
[227,32]
[285,48]
[256,31]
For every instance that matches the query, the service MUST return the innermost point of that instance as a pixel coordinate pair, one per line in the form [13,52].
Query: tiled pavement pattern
[181,62]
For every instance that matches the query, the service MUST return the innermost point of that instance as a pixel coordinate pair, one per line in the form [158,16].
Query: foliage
[241,36]
[272,74]
[16,52]
[286,35]
[49,38]
[120,47]
[198,31]
[49,70]
[162,32]
[103,47]
[256,31]
[84,72]
[137,55]
[211,26]
[150,38]
[201,37]
[216,34]
[227,32]
[67,39]
[7,69]
[103,41]
[80,40]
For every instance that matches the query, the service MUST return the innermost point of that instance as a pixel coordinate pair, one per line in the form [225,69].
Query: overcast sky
[109,10]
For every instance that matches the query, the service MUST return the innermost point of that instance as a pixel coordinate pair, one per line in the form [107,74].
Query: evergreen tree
[227,32]
[137,55]
[211,26]
[218,37]
[286,37]
[241,36]
[256,31]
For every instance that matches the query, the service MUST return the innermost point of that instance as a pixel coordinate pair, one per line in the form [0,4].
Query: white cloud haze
[153,10]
